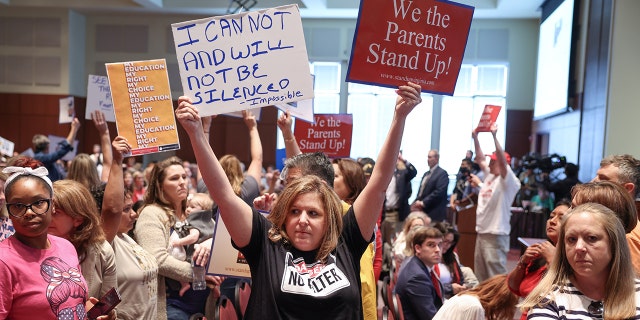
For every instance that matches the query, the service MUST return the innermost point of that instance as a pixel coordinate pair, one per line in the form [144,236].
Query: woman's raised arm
[237,215]
[255,167]
[369,203]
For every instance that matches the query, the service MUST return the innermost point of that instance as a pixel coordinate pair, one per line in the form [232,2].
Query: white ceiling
[503,9]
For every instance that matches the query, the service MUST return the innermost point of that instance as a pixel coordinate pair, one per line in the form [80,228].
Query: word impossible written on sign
[243,61]
[402,40]
[329,133]
[143,106]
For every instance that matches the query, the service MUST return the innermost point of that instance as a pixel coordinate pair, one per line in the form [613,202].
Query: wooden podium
[466,223]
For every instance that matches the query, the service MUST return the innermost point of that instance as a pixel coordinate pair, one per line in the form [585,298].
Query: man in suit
[418,284]
[396,205]
[432,195]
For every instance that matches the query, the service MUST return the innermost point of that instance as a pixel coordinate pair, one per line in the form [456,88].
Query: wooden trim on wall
[24,115]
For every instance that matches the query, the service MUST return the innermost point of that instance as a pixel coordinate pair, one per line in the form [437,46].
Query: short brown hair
[423,233]
[353,177]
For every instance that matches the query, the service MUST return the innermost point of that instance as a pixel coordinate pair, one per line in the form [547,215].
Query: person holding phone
[105,305]
[535,261]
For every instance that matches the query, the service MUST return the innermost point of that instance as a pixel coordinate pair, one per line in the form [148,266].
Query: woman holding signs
[304,257]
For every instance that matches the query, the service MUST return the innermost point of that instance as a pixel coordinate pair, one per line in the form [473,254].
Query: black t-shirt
[291,284]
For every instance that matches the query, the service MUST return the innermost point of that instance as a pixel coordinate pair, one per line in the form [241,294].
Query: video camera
[546,163]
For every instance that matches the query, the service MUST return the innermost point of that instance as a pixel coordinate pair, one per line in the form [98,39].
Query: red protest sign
[488,118]
[330,133]
[402,40]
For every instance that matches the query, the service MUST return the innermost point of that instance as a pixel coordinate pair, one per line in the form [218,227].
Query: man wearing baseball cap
[493,213]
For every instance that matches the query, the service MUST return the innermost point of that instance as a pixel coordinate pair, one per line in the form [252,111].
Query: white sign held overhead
[67,110]
[257,113]
[99,98]
[6,147]
[302,110]
[54,142]
[243,61]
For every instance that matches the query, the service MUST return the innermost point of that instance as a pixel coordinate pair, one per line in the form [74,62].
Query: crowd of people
[337,231]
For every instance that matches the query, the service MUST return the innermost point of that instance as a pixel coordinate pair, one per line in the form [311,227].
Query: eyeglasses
[18,210]
[596,308]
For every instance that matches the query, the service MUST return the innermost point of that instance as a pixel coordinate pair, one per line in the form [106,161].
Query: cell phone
[530,241]
[106,303]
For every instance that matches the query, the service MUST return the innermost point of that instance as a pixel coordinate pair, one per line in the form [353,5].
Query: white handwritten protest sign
[67,110]
[6,147]
[225,260]
[302,110]
[99,98]
[257,113]
[54,145]
[243,61]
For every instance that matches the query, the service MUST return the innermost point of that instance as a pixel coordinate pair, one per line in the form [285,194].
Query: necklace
[596,308]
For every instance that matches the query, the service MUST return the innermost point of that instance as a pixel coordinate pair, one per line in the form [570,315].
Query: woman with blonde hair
[75,217]
[83,170]
[591,273]
[139,186]
[402,245]
[245,185]
[233,168]
[490,300]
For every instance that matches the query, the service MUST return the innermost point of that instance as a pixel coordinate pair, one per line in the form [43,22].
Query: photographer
[562,188]
[464,195]
[539,169]
[528,188]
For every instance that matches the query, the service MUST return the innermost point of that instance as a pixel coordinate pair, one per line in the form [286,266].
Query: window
[326,86]
[478,85]
[372,109]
